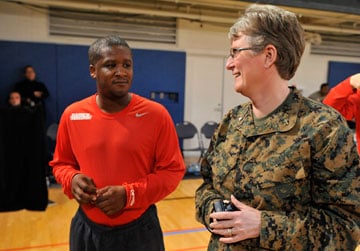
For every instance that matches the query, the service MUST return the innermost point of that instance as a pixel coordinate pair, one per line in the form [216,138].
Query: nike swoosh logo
[139,115]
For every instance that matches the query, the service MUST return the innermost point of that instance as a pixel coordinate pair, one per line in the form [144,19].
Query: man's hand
[355,81]
[238,225]
[111,199]
[83,189]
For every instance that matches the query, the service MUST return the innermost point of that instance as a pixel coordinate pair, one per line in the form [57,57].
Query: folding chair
[51,133]
[207,131]
[186,130]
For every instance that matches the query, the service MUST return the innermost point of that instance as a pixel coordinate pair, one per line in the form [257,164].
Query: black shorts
[142,234]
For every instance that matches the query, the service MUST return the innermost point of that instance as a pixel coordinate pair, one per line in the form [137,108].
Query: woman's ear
[92,71]
[270,55]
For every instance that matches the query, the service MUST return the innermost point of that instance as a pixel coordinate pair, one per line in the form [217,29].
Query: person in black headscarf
[32,91]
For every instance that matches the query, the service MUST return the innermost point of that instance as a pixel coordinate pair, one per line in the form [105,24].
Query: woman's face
[14,99]
[30,73]
[246,66]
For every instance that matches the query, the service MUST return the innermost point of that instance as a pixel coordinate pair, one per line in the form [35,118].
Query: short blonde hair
[267,24]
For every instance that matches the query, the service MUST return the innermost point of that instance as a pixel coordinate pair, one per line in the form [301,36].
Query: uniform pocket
[284,186]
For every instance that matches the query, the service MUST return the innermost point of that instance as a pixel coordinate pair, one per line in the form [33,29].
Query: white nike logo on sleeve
[139,115]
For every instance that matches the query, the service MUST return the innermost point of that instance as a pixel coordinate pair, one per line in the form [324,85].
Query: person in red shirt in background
[117,154]
[345,97]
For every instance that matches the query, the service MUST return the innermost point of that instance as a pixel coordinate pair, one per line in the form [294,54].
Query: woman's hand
[237,225]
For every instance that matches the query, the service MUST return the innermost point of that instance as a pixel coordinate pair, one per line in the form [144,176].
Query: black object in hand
[224,206]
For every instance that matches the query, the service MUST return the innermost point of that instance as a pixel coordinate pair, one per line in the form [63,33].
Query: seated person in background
[22,170]
[345,97]
[14,99]
[320,94]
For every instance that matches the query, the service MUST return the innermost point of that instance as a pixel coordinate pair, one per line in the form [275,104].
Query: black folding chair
[186,130]
[207,130]
[51,133]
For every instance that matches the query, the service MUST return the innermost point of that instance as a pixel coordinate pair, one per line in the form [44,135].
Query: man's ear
[270,55]
[92,71]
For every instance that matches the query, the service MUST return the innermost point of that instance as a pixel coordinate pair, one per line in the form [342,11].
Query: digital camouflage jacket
[299,166]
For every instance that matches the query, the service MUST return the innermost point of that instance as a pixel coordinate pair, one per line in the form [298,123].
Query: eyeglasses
[235,51]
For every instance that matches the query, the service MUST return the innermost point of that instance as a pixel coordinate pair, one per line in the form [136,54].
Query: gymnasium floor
[49,230]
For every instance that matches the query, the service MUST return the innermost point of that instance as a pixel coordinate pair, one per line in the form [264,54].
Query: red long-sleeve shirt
[136,147]
[343,98]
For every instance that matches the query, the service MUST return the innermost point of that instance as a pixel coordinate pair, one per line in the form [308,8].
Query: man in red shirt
[117,154]
[345,97]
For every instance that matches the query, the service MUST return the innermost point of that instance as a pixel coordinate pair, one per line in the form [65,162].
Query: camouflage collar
[281,120]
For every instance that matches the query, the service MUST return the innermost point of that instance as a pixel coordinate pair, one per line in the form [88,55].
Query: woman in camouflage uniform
[288,164]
